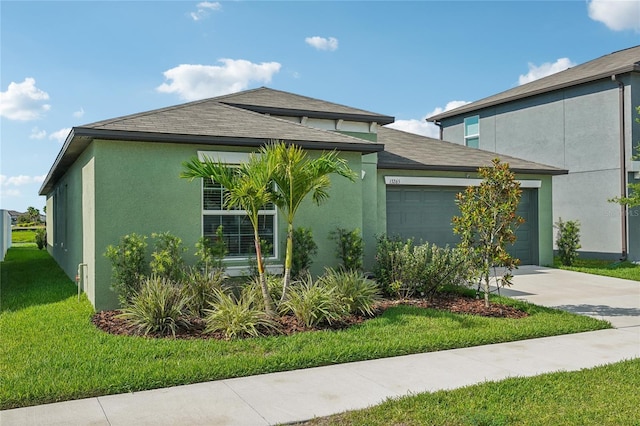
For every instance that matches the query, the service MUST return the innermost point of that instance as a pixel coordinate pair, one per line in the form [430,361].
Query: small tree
[568,240]
[296,176]
[248,187]
[488,222]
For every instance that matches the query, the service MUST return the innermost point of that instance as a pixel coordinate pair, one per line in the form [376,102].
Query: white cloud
[79,113]
[20,180]
[204,8]
[322,43]
[617,15]
[423,127]
[548,68]
[9,192]
[9,184]
[36,133]
[23,101]
[192,82]
[60,135]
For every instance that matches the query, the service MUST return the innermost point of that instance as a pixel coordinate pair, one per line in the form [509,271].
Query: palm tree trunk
[287,262]
[268,301]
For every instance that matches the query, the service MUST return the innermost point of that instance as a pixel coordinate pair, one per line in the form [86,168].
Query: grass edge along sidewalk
[606,395]
[51,352]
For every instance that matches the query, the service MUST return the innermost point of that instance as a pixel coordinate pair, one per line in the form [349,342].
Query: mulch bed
[109,322]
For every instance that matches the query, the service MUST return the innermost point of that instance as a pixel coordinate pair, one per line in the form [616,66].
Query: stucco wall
[576,129]
[65,218]
[138,189]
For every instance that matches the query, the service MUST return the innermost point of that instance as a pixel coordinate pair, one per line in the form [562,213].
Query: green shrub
[404,269]
[353,290]
[211,252]
[385,263]
[568,240]
[128,266]
[237,316]
[312,303]
[41,238]
[158,307]
[274,284]
[166,259]
[199,286]
[304,248]
[350,248]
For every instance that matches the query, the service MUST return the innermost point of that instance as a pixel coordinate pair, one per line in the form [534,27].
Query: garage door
[424,213]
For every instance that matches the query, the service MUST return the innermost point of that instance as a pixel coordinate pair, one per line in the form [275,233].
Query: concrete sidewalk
[302,394]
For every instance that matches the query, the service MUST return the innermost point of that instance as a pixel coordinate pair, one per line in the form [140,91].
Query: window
[236,226]
[472,131]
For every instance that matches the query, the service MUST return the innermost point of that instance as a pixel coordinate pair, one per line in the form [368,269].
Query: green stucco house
[121,175]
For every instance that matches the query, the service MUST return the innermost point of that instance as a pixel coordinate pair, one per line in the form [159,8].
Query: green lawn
[50,351]
[626,270]
[23,235]
[605,395]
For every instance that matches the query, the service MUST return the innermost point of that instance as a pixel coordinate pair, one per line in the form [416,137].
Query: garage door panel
[425,213]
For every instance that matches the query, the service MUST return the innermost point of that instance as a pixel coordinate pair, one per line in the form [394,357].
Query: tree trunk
[287,262]
[268,301]
[486,283]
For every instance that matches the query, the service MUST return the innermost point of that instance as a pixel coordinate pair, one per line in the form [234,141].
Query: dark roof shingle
[277,102]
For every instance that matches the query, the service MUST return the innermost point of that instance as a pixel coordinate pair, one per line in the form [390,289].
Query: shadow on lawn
[31,277]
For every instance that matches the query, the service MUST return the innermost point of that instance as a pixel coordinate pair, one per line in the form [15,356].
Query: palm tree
[248,186]
[296,176]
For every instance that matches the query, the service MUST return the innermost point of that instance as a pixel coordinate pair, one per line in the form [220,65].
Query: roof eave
[452,168]
[474,105]
[81,137]
[380,119]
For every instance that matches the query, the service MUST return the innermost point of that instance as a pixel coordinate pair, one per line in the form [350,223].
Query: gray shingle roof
[409,151]
[213,119]
[207,122]
[621,62]
[277,102]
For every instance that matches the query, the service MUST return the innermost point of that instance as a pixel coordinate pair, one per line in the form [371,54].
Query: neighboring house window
[236,226]
[472,131]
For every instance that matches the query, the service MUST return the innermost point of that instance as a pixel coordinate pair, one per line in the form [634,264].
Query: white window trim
[235,158]
[442,181]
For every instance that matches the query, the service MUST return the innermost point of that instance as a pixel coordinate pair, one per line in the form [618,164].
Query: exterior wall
[370,209]
[5,233]
[116,188]
[343,209]
[545,218]
[576,129]
[64,221]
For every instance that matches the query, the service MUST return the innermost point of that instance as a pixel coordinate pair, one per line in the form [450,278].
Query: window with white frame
[237,229]
[472,131]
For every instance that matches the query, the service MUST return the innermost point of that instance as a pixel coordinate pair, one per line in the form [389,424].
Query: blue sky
[66,64]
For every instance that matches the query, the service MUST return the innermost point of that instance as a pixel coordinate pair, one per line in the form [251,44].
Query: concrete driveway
[611,299]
